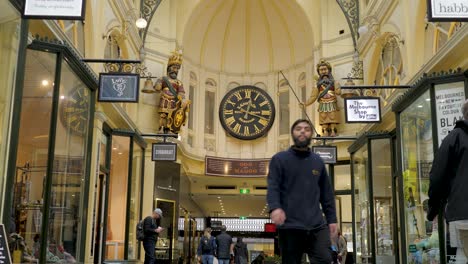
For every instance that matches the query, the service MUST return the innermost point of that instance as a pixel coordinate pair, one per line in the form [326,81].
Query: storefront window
[135,195]
[9,41]
[383,204]
[117,199]
[346,218]
[342,179]
[33,152]
[69,169]
[417,155]
[362,225]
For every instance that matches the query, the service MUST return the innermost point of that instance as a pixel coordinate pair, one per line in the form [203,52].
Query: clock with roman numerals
[247,112]
[74,110]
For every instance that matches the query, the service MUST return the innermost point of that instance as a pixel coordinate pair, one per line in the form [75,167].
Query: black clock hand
[252,114]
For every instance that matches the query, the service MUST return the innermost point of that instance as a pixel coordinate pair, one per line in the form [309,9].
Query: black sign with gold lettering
[236,167]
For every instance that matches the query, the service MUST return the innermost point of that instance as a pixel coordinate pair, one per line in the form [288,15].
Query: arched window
[390,66]
[192,88]
[283,108]
[210,96]
[301,82]
[112,50]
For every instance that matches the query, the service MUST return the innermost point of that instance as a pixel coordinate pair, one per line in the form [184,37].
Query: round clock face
[75,110]
[247,112]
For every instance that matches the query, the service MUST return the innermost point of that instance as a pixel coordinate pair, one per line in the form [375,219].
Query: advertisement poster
[449,101]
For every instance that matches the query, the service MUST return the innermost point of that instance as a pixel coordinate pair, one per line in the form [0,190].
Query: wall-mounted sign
[5,257]
[449,99]
[362,110]
[164,151]
[447,10]
[327,153]
[236,167]
[54,9]
[118,87]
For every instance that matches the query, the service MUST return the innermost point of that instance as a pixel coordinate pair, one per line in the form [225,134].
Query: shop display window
[417,155]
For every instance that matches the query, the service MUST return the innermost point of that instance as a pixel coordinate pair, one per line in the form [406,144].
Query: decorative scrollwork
[148,10]
[143,71]
[357,72]
[350,9]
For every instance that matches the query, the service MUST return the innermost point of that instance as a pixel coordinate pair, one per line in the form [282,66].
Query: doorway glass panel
[362,214]
[117,199]
[383,203]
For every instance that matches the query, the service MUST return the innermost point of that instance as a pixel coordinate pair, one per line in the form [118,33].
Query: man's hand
[333,231]
[159,229]
[278,216]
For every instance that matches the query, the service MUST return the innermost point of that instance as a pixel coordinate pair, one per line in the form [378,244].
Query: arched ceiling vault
[247,36]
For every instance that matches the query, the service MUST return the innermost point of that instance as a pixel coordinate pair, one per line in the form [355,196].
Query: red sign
[270,228]
[236,167]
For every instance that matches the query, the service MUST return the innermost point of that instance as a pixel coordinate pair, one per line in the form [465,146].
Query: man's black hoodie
[298,183]
[449,176]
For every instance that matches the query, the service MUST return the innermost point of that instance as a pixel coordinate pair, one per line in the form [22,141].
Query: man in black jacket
[448,182]
[152,229]
[297,185]
[224,246]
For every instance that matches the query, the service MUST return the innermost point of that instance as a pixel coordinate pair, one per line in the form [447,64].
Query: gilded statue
[326,92]
[173,107]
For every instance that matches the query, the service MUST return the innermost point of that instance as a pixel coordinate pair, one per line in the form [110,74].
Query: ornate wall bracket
[148,8]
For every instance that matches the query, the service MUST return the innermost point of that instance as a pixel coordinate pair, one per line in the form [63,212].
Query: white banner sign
[449,101]
[54,9]
[447,10]
[362,110]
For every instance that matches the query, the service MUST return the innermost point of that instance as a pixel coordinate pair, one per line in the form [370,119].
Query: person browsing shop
[298,185]
[152,228]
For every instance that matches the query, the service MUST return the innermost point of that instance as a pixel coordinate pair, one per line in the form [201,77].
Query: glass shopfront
[425,115]
[9,45]
[374,202]
[49,191]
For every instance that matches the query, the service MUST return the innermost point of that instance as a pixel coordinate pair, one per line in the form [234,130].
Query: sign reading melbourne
[5,257]
[164,151]
[362,110]
[447,10]
[54,9]
[327,153]
[236,167]
[449,99]
[118,87]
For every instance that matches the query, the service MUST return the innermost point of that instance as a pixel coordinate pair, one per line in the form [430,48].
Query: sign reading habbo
[447,10]
[54,9]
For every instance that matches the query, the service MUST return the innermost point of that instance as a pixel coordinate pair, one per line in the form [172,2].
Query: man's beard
[173,75]
[302,144]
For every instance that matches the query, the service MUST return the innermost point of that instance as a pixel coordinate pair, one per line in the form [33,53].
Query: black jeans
[149,247]
[295,242]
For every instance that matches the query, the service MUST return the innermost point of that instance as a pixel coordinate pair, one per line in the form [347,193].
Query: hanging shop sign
[5,257]
[447,10]
[118,87]
[362,110]
[327,153]
[164,151]
[236,167]
[449,99]
[54,9]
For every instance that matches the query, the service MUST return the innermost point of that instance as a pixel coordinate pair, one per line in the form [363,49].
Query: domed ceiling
[247,36]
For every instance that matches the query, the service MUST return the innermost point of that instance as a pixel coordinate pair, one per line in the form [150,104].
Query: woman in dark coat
[241,254]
